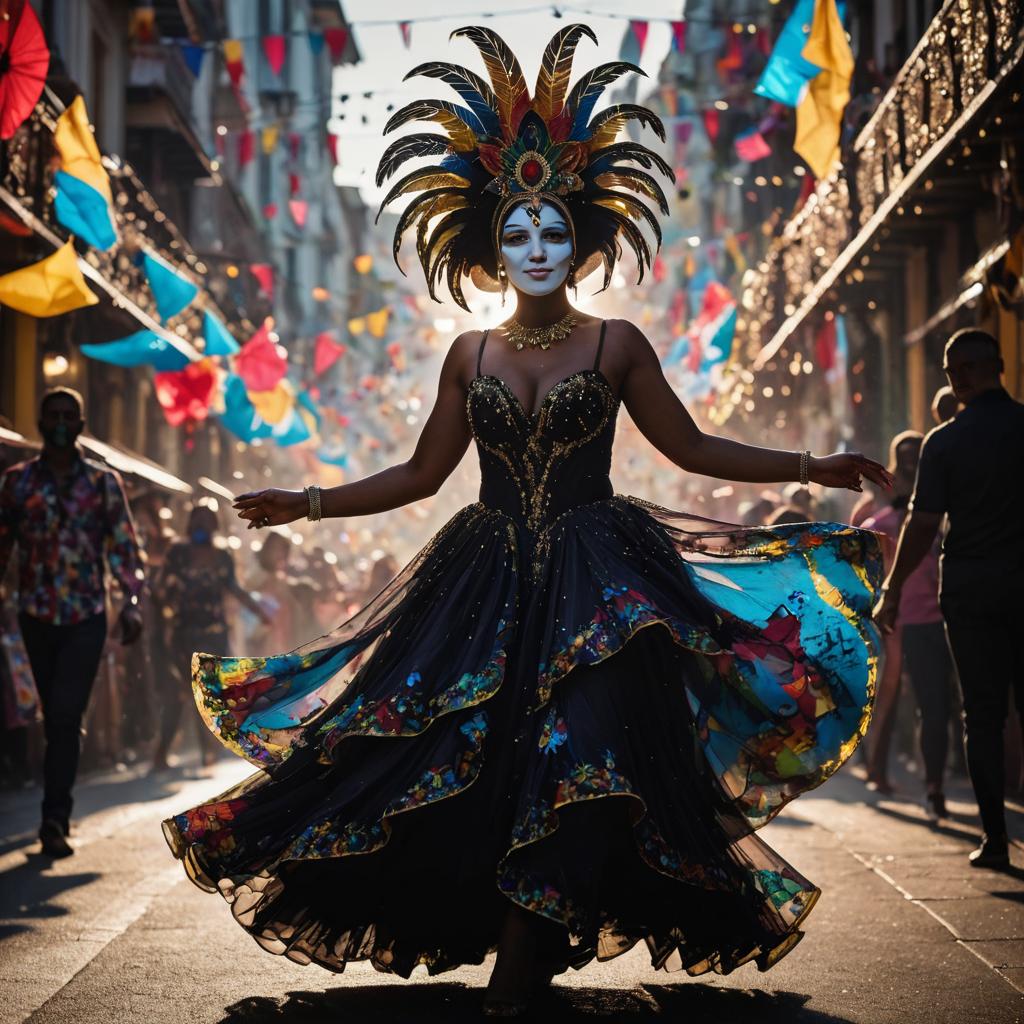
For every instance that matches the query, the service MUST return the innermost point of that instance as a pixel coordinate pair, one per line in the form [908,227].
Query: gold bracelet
[805,467]
[313,498]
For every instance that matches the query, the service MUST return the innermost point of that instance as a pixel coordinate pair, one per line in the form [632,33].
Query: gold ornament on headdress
[505,147]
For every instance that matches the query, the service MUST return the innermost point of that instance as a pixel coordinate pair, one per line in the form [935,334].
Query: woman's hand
[845,469]
[272,507]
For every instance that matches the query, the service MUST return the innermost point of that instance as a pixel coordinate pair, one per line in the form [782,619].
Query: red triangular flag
[332,147]
[264,273]
[259,364]
[336,38]
[711,123]
[246,142]
[270,210]
[299,209]
[294,184]
[274,50]
[294,141]
[406,29]
[327,352]
[640,31]
[679,35]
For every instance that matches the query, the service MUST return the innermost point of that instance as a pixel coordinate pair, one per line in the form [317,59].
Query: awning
[134,465]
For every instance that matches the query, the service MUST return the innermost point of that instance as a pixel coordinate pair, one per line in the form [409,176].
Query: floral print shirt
[64,530]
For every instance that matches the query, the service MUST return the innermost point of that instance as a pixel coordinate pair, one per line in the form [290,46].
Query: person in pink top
[918,646]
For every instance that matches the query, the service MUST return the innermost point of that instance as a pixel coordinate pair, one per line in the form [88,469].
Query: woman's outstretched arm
[664,421]
[439,449]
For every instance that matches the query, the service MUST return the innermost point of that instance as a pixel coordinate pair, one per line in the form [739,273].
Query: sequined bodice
[536,467]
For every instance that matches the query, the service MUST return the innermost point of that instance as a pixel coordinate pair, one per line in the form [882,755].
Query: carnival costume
[570,698]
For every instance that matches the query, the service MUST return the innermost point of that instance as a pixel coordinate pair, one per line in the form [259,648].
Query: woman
[918,646]
[507,684]
[276,597]
[193,584]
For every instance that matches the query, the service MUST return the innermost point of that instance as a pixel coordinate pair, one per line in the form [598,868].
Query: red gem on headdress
[532,172]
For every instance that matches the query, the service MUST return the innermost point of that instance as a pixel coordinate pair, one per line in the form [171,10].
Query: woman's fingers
[248,500]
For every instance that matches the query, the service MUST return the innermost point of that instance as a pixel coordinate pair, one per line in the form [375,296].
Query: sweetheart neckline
[533,417]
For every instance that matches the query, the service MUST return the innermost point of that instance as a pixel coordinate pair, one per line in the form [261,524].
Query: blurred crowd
[208,588]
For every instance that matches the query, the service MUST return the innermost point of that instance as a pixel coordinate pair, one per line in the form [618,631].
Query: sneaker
[53,840]
[994,852]
[935,806]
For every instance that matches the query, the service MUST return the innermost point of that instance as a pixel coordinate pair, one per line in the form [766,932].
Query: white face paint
[536,257]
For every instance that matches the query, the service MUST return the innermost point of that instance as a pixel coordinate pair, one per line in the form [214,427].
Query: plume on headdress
[501,143]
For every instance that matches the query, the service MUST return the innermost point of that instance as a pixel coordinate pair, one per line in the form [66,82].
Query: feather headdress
[502,146]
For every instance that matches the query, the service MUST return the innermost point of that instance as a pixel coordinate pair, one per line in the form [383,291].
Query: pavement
[905,930]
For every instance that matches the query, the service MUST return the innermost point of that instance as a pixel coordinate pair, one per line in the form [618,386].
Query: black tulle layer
[478,734]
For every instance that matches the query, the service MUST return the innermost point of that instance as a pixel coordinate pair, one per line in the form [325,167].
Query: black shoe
[993,853]
[935,807]
[51,835]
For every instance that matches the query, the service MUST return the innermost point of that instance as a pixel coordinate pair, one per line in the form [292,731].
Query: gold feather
[555,69]
[503,69]
[607,124]
[636,180]
[419,180]
[455,120]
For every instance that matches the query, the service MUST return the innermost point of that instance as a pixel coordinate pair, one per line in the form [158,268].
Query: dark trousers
[927,662]
[64,662]
[982,627]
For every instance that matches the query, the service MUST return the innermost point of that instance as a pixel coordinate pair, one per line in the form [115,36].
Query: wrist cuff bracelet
[805,467]
[313,497]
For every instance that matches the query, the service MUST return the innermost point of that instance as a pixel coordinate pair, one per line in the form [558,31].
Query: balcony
[969,59]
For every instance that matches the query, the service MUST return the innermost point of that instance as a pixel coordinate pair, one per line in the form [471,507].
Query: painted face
[536,248]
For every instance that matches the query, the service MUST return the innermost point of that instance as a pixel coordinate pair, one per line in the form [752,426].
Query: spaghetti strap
[600,344]
[480,351]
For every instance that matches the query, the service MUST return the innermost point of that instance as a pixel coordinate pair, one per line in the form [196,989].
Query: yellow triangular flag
[819,116]
[79,154]
[48,288]
[377,322]
[357,325]
[268,138]
[273,406]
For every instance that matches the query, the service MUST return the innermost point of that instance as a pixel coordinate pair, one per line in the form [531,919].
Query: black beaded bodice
[534,468]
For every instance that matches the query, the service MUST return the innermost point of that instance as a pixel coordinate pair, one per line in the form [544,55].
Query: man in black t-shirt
[972,470]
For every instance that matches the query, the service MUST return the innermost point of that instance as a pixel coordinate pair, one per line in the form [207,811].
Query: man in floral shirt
[67,516]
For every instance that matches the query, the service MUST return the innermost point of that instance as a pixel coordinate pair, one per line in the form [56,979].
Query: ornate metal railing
[967,50]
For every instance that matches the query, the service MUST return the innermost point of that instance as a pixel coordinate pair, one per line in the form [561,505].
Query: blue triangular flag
[218,340]
[291,430]
[305,399]
[171,291]
[139,349]
[83,211]
[193,56]
[316,42]
[333,456]
[240,416]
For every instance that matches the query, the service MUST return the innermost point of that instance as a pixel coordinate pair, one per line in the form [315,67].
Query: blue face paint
[200,536]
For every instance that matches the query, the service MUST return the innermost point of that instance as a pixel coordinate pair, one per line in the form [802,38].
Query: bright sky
[527,31]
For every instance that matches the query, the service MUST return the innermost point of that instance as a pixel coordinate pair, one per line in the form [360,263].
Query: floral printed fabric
[64,531]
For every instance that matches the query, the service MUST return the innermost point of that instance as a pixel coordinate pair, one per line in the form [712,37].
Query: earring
[502,281]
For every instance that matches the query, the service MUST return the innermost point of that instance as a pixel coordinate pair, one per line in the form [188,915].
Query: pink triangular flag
[299,210]
[259,363]
[327,352]
[406,30]
[751,146]
[679,35]
[269,211]
[640,31]
[264,274]
[274,50]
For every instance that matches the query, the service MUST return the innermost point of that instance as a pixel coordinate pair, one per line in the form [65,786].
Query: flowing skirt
[500,724]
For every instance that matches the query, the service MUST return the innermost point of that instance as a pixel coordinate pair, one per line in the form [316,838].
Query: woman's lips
[540,273]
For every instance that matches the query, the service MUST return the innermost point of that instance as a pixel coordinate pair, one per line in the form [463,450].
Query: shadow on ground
[694,1003]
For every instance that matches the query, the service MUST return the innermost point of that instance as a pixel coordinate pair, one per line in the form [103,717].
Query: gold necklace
[543,336]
